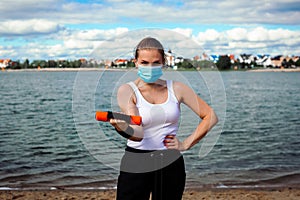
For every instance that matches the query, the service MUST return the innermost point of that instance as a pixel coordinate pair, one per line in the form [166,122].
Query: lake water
[49,137]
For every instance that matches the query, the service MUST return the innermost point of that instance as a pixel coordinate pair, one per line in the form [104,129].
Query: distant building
[120,61]
[4,63]
[245,58]
[263,60]
[170,57]
[232,60]
[107,63]
[204,56]
[196,58]
[214,58]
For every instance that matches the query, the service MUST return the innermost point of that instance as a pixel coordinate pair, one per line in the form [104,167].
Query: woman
[152,163]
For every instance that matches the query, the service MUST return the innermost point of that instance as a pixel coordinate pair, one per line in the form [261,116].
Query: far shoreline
[275,70]
[133,69]
[63,69]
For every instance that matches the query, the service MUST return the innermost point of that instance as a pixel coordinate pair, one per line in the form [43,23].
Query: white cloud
[209,35]
[250,40]
[44,27]
[77,44]
[93,34]
[258,34]
[184,31]
[74,44]
[89,39]
[204,12]
[70,44]
[236,34]
[29,27]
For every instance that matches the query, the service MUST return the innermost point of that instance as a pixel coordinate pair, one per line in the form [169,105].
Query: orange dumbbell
[105,116]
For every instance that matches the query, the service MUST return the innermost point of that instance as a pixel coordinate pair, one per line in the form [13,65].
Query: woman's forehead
[149,53]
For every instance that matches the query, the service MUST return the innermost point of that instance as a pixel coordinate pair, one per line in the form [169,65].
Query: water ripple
[39,144]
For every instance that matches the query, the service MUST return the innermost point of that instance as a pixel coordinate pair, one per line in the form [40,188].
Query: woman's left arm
[187,96]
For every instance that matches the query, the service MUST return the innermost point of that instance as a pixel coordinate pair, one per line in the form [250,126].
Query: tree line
[48,64]
[224,63]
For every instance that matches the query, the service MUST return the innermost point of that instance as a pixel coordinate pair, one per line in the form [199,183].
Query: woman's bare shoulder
[125,87]
[181,90]
[179,86]
[126,92]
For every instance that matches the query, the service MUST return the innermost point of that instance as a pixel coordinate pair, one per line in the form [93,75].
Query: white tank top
[158,120]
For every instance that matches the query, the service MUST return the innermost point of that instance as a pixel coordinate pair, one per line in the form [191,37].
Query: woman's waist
[152,140]
[139,150]
[161,152]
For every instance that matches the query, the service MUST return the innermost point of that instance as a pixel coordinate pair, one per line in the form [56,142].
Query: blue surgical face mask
[149,74]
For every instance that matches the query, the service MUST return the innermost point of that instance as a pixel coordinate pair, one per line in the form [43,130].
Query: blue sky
[70,29]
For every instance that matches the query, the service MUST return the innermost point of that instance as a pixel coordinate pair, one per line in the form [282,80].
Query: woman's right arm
[127,103]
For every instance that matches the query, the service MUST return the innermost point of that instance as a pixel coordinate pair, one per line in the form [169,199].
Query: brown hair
[150,43]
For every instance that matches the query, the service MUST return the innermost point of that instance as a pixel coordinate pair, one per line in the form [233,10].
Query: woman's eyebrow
[146,61]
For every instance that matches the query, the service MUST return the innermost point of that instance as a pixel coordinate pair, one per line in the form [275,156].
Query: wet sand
[276,70]
[189,194]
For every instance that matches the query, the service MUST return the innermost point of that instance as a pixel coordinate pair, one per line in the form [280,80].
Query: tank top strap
[136,91]
[171,90]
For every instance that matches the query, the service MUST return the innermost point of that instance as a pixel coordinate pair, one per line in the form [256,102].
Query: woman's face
[149,57]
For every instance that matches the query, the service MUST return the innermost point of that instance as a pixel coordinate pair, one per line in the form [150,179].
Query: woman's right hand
[120,125]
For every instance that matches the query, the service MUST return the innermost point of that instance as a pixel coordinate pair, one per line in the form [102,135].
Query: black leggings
[160,173]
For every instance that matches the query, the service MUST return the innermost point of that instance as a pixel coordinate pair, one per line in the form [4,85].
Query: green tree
[26,64]
[43,64]
[130,64]
[224,63]
[15,65]
[35,64]
[77,64]
[297,63]
[291,63]
[284,63]
[52,63]
[186,64]
[63,64]
[206,64]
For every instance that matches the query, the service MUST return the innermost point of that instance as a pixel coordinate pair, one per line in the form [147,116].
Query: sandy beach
[189,194]
[276,70]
